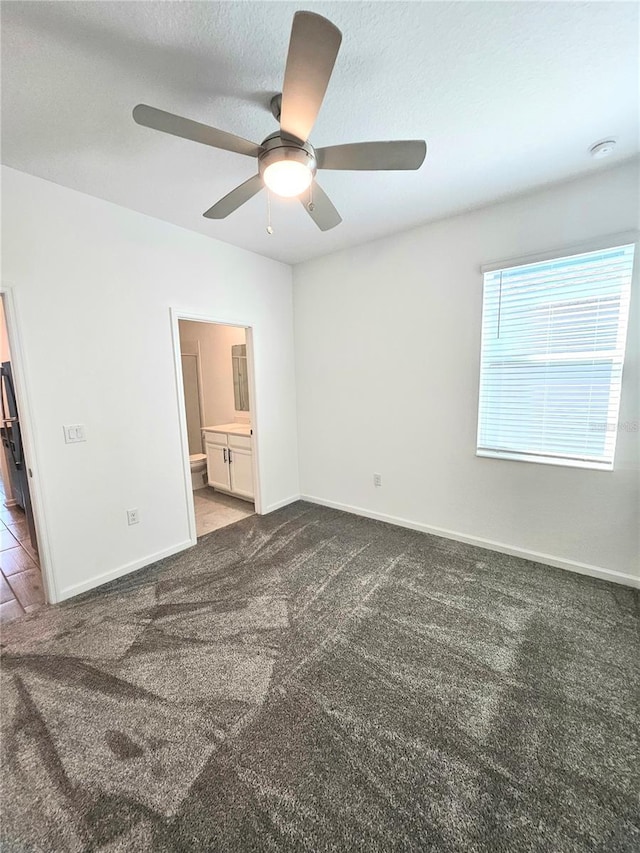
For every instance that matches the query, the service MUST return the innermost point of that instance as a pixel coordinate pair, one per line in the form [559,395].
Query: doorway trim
[28,431]
[176,315]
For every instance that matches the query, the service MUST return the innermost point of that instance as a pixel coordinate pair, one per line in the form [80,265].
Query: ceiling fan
[287,162]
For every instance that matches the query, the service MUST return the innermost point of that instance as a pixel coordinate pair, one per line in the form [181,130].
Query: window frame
[609,242]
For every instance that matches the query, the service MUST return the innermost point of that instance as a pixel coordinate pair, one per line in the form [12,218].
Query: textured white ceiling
[507,95]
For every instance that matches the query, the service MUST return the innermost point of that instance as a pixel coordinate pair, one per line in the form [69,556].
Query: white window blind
[553,341]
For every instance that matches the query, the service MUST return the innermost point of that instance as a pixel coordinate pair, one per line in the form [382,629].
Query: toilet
[198,462]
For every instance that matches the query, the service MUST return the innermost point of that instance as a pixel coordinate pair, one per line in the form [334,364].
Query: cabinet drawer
[242,442]
[215,438]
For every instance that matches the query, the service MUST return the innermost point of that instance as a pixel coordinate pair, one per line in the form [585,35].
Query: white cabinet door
[217,466]
[241,472]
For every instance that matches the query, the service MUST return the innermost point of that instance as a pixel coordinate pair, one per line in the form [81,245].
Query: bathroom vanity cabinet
[230,459]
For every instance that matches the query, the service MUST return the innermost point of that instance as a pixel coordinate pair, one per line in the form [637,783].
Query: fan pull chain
[311,205]
[269,228]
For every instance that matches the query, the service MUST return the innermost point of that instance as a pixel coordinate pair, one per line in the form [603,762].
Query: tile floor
[215,510]
[20,579]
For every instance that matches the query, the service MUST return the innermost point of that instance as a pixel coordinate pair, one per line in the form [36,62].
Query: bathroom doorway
[215,386]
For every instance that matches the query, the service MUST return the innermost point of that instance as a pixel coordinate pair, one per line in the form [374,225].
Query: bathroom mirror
[240,377]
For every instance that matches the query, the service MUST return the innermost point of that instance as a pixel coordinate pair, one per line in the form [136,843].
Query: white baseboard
[280,504]
[112,574]
[535,556]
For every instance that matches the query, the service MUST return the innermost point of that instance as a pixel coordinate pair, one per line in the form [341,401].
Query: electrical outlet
[132,516]
[377,480]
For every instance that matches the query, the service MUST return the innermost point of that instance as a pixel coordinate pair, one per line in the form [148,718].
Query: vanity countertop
[230,429]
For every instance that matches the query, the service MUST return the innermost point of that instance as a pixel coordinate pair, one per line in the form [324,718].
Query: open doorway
[214,368]
[21,586]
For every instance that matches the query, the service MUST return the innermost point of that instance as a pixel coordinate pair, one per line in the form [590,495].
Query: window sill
[547,460]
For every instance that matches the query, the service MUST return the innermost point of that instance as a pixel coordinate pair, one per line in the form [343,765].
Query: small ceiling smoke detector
[602,149]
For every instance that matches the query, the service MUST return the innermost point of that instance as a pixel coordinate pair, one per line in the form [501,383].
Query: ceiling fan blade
[313,49]
[233,200]
[402,154]
[187,129]
[320,208]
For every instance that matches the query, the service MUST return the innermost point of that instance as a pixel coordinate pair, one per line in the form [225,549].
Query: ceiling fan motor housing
[277,147]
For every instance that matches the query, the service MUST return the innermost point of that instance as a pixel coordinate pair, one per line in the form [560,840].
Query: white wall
[93,287]
[387,362]
[217,370]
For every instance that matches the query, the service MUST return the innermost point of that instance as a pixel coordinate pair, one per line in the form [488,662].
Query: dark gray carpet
[311,680]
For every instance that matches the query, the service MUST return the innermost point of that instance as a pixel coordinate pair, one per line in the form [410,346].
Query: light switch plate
[74,433]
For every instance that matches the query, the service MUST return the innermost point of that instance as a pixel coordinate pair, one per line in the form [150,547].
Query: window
[553,339]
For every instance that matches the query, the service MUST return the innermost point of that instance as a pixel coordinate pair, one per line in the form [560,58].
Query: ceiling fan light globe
[287,178]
